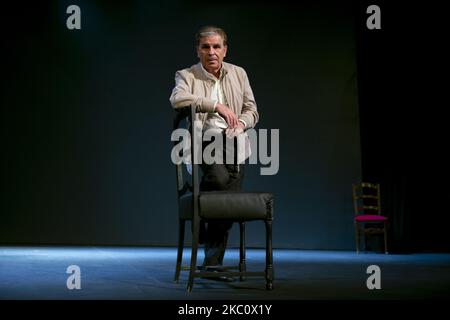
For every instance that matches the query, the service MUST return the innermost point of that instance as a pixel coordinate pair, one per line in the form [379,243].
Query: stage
[147,273]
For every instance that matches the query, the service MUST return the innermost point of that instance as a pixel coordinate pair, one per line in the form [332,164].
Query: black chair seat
[237,206]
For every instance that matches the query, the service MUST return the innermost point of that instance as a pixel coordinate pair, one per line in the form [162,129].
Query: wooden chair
[368,219]
[197,207]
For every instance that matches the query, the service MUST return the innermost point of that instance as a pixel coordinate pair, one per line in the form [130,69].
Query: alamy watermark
[73,21]
[74,280]
[251,145]
[374,280]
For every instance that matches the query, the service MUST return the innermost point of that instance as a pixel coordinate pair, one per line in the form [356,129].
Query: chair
[198,207]
[368,219]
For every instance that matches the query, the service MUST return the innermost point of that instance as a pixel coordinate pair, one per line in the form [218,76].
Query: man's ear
[225,51]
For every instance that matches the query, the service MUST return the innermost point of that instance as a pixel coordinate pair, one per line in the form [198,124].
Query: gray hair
[207,31]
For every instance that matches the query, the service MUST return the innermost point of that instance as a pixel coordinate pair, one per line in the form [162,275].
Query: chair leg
[357,237]
[242,263]
[365,240]
[181,226]
[269,256]
[193,268]
[385,238]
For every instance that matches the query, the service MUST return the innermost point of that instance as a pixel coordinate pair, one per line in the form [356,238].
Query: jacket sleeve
[182,97]
[249,113]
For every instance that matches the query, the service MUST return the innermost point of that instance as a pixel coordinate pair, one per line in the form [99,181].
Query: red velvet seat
[370,217]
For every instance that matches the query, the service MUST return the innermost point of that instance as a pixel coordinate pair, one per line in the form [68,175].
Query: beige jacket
[193,87]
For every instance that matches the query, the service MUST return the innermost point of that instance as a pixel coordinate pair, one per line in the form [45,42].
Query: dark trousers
[214,234]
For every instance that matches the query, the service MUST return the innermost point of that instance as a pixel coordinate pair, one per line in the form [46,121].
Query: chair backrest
[366,198]
[184,119]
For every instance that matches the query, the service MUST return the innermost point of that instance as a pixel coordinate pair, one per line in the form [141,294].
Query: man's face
[211,52]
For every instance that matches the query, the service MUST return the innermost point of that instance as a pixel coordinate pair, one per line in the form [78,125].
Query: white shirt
[214,120]
[217,123]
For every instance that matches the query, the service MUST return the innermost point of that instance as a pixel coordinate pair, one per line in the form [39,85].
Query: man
[225,103]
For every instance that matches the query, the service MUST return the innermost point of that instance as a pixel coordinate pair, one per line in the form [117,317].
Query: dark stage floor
[147,273]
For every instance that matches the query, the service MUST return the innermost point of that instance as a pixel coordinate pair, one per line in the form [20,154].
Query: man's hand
[234,132]
[229,116]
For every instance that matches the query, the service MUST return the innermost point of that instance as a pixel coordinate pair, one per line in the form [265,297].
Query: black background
[86,118]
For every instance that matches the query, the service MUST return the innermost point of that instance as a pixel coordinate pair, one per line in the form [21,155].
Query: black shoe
[222,278]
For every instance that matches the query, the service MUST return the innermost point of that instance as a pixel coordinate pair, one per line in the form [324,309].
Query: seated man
[224,100]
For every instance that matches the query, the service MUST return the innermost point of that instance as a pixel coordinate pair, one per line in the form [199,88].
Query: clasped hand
[235,127]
